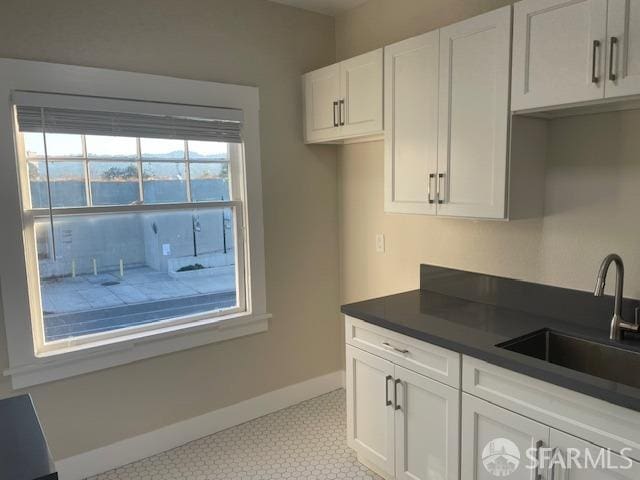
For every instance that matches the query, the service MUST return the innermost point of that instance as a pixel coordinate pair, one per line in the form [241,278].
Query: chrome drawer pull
[440,192]
[391,347]
[594,77]
[429,198]
[387,402]
[612,73]
[395,394]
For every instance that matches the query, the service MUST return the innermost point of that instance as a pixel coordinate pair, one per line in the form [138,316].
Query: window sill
[64,363]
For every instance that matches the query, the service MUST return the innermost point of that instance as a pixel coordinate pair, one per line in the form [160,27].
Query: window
[141,219]
[129,232]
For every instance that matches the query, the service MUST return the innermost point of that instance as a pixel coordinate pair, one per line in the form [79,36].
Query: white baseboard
[136,448]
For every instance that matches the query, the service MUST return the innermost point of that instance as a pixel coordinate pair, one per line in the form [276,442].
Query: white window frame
[30,366]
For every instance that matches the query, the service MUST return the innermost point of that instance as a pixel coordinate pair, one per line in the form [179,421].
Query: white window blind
[121,124]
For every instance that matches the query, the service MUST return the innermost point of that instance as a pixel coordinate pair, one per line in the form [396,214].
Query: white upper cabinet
[344,100]
[322,90]
[474,116]
[574,52]
[558,52]
[623,32]
[361,90]
[411,124]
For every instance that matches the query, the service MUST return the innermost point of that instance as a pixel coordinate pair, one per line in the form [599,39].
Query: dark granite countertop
[472,313]
[24,454]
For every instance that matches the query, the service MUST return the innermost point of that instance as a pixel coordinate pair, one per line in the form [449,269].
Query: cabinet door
[321,93]
[370,413]
[495,442]
[474,116]
[623,64]
[558,52]
[411,124]
[361,94]
[610,466]
[427,428]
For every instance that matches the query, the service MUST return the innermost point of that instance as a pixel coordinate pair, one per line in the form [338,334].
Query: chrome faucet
[618,325]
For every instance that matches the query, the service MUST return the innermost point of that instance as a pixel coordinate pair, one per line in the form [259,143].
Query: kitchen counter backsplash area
[564,304]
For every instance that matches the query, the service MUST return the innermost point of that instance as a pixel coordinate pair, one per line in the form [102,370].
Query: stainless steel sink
[598,359]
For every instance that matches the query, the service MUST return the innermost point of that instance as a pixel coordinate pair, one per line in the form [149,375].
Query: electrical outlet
[380,243]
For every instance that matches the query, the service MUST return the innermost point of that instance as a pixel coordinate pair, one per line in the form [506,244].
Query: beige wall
[249,42]
[591,192]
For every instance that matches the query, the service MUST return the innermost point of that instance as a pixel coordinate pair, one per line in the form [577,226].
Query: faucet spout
[618,325]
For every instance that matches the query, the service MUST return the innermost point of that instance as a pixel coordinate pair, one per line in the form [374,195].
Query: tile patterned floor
[302,442]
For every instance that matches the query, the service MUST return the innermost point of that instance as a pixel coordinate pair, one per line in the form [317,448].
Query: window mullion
[230,174]
[187,170]
[149,207]
[87,177]
[139,164]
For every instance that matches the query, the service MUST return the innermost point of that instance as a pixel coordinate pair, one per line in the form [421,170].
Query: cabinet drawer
[421,357]
[597,421]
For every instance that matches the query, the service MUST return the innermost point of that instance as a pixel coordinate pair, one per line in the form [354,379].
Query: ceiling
[328,7]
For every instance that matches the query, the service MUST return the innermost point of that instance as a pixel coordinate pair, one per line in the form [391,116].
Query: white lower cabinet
[370,413]
[402,425]
[489,434]
[570,459]
[427,425]
[407,425]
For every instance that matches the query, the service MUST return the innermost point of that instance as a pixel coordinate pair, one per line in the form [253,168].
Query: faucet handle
[629,327]
[632,327]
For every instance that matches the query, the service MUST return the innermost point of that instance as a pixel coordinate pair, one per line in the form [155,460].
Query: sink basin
[598,359]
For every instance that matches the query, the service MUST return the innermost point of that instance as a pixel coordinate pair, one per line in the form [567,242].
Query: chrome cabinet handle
[342,112]
[594,77]
[612,46]
[395,394]
[391,347]
[335,120]
[438,191]
[536,474]
[431,177]
[387,402]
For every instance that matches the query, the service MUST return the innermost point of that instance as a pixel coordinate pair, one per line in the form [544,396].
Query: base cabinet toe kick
[421,412]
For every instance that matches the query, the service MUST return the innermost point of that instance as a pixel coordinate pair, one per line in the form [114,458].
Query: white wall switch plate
[166,249]
[380,243]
